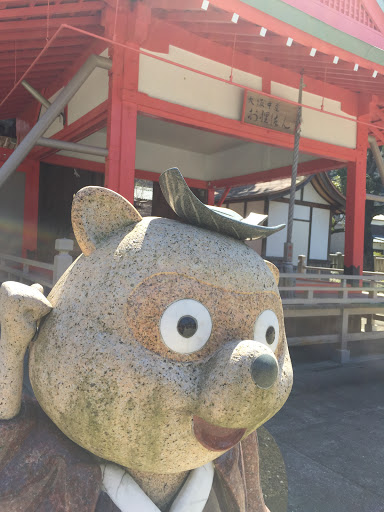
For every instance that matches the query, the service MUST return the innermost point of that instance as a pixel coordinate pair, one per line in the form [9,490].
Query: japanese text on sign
[261,110]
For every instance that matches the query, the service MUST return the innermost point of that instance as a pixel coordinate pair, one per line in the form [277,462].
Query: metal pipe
[377,156]
[50,115]
[39,97]
[71,146]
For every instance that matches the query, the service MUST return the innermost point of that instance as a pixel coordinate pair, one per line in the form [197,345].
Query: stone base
[341,356]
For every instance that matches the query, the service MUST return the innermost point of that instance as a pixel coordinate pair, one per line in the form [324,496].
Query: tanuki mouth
[215,438]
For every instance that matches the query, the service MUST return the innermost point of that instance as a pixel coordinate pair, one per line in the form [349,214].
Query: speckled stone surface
[21,307]
[99,367]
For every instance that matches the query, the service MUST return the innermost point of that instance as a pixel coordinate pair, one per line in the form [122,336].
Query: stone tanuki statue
[153,360]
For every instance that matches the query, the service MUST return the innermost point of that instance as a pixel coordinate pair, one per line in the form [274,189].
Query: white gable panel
[312,196]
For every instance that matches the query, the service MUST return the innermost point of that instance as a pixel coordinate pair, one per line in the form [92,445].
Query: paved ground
[331,435]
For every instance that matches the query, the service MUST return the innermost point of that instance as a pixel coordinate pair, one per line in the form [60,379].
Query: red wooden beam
[39,44]
[51,63]
[211,195]
[37,11]
[90,123]
[303,169]
[224,196]
[28,26]
[75,163]
[217,124]
[29,55]
[23,167]
[22,35]
[169,5]
[379,135]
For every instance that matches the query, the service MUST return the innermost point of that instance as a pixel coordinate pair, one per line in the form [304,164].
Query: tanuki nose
[264,371]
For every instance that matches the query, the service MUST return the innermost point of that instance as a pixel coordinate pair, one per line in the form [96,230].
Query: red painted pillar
[355,207]
[211,196]
[122,119]
[132,22]
[31,209]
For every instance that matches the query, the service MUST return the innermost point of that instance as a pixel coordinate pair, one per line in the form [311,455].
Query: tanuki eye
[267,329]
[185,326]
[270,335]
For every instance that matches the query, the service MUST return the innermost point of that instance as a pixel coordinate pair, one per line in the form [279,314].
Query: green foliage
[373,181]
[372,208]
[339,179]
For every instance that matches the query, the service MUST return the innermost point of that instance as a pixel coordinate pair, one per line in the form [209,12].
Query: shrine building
[106,92]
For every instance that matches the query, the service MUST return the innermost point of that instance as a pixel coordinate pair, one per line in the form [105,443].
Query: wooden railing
[26,270]
[327,302]
[30,271]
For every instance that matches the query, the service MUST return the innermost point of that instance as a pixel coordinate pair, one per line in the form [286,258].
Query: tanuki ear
[274,270]
[98,212]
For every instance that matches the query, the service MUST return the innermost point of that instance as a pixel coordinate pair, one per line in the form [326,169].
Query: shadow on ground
[331,435]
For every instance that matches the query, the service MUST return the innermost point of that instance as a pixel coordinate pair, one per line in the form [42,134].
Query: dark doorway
[56,190]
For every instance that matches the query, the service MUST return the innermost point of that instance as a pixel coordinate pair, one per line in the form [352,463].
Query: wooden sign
[261,110]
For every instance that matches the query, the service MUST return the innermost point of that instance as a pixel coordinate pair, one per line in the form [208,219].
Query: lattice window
[353,9]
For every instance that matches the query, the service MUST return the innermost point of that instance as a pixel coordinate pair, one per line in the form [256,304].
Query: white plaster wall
[278,214]
[158,158]
[164,81]
[255,207]
[319,234]
[301,212]
[171,83]
[93,92]
[297,195]
[317,125]
[249,158]
[300,235]
[245,159]
[312,196]
[152,157]
[98,139]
